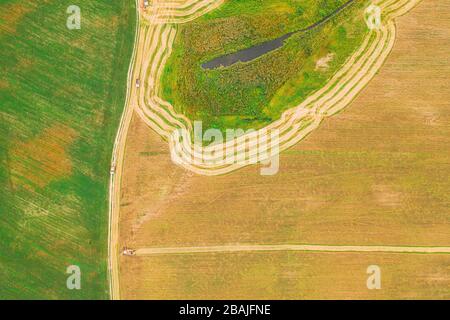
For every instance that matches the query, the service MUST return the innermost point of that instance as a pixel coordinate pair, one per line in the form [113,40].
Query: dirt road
[287,247]
[120,141]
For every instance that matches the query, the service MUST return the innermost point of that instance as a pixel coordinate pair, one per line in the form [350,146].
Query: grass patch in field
[253,94]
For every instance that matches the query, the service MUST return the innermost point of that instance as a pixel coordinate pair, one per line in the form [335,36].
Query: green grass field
[253,94]
[61,96]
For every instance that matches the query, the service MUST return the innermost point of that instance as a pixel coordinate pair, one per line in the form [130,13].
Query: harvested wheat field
[376,174]
[287,275]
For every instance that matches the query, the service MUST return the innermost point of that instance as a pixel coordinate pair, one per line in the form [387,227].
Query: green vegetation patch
[61,96]
[255,93]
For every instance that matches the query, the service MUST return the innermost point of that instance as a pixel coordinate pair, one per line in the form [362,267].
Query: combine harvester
[128,252]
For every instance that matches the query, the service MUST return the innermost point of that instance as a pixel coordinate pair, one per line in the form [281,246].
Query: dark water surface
[260,49]
[247,54]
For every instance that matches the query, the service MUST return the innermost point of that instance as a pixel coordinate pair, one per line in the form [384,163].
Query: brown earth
[42,159]
[377,174]
[4,84]
[12,13]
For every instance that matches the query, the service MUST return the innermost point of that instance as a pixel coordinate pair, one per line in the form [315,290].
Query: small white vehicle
[138,83]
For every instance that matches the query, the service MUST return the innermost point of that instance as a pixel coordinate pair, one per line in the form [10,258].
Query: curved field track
[156,38]
[374,176]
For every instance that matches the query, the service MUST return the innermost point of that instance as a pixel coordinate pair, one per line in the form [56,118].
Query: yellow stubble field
[376,174]
[286,275]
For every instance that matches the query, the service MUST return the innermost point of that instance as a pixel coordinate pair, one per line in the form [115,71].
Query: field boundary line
[291,247]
